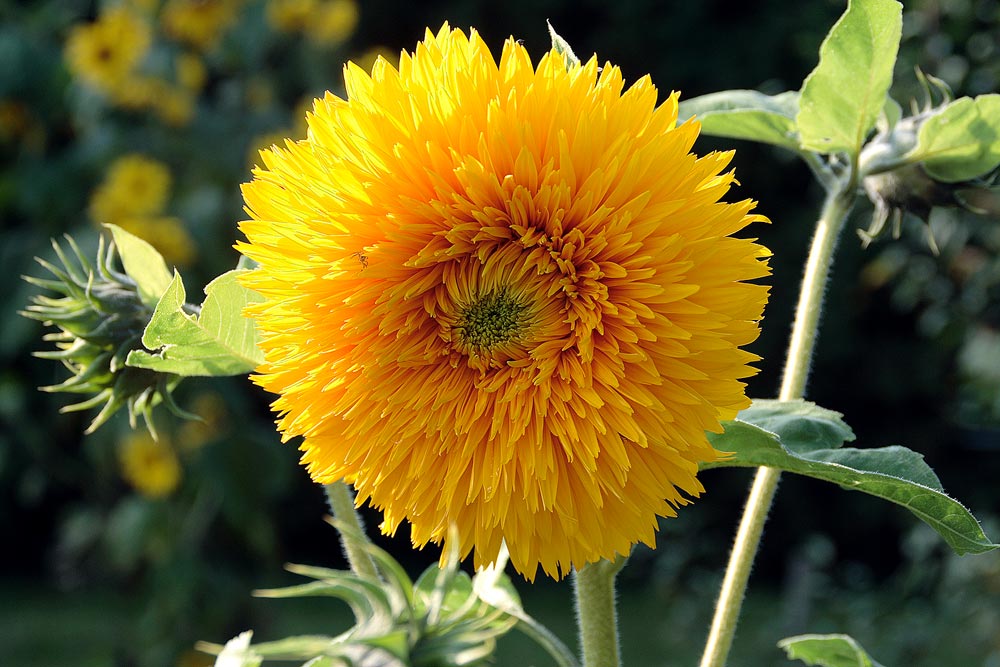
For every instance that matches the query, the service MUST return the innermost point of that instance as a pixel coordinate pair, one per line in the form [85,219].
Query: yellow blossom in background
[290,15]
[264,142]
[147,7]
[259,93]
[174,106]
[214,420]
[198,23]
[135,186]
[138,91]
[105,52]
[369,57]
[190,72]
[504,298]
[332,22]
[167,234]
[150,467]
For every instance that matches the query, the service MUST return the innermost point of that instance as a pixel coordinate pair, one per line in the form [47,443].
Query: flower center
[495,319]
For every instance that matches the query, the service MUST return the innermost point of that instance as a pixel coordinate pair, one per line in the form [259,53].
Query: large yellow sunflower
[505,298]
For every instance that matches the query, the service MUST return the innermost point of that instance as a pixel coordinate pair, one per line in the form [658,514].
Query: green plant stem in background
[597,620]
[800,349]
[341,501]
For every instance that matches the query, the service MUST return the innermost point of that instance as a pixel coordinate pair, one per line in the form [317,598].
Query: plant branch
[800,349]
[341,501]
[594,585]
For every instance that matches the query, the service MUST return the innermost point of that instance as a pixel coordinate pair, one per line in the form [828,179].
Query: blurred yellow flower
[266,142]
[150,467]
[290,15]
[174,106]
[199,23]
[147,7]
[214,418]
[332,22]
[504,298]
[190,71]
[105,52]
[137,91]
[134,186]
[167,234]
[367,59]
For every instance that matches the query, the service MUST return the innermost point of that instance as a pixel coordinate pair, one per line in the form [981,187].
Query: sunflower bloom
[503,297]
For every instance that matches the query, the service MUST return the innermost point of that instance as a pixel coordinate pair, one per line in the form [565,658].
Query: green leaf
[143,264]
[220,341]
[842,98]
[802,426]
[962,141]
[827,651]
[561,46]
[802,438]
[746,114]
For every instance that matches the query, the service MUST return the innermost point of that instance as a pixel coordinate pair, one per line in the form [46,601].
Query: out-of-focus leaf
[827,651]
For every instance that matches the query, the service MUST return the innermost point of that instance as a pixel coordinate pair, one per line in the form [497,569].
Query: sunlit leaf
[806,440]
[561,46]
[219,341]
[827,651]
[143,264]
[746,114]
[962,141]
[842,98]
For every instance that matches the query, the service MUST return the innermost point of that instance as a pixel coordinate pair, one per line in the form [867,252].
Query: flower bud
[100,318]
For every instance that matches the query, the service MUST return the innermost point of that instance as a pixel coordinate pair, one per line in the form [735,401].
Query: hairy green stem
[800,349]
[341,500]
[594,585]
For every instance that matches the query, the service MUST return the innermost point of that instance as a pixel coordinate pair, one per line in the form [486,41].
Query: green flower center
[495,319]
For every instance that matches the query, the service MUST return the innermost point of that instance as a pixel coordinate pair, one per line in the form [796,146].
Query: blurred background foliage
[149,113]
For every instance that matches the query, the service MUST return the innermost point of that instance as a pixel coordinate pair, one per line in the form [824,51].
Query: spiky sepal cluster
[100,319]
[444,619]
[896,184]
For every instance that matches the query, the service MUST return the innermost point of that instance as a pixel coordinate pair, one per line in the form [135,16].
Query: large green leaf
[962,141]
[219,341]
[800,437]
[842,98]
[746,114]
[143,264]
[827,651]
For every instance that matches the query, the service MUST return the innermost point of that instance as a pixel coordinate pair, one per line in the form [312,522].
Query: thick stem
[597,619]
[341,501]
[800,349]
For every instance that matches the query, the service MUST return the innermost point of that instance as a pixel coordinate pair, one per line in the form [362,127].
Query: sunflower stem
[597,620]
[341,501]
[838,204]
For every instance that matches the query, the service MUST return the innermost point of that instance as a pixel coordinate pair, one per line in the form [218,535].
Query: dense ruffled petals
[504,297]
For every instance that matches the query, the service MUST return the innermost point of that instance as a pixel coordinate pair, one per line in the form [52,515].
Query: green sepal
[843,96]
[746,114]
[800,437]
[218,341]
[961,141]
[827,651]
